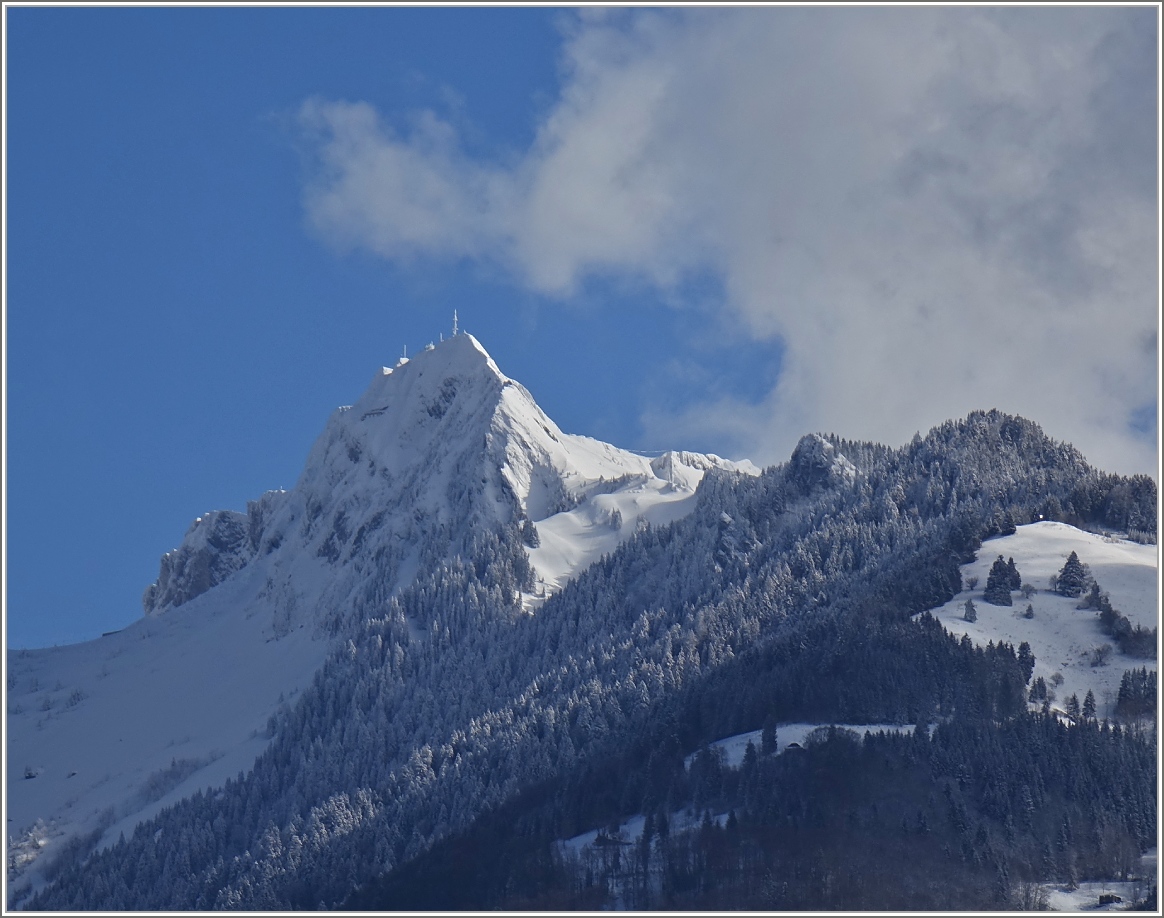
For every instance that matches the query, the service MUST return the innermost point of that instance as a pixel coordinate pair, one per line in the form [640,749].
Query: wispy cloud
[933,210]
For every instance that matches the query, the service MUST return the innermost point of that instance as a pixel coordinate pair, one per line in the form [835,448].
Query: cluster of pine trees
[1133,640]
[974,815]
[1002,580]
[1137,695]
[778,597]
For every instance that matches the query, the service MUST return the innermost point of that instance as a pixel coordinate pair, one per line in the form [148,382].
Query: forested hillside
[448,713]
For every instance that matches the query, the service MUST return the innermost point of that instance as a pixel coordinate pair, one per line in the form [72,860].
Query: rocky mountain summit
[438,449]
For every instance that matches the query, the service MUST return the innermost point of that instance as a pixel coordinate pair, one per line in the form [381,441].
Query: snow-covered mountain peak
[418,450]
[421,378]
[437,448]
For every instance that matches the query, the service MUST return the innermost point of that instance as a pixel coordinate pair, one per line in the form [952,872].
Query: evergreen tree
[1026,660]
[998,585]
[750,757]
[1137,694]
[971,611]
[1016,580]
[1095,599]
[1072,579]
[1089,705]
[1038,690]
[768,738]
[442,729]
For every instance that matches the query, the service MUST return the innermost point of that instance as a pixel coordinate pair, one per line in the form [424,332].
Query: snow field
[117,728]
[1062,637]
[102,735]
[574,539]
[734,747]
[1086,897]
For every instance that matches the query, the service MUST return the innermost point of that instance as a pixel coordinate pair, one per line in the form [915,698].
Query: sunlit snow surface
[657,491]
[111,730]
[1063,638]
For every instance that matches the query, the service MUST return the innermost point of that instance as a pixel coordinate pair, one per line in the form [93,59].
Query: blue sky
[705,229]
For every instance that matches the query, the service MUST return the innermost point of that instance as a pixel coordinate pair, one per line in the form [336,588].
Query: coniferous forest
[443,772]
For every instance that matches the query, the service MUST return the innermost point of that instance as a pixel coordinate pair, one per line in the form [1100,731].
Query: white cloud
[934,210]
[397,197]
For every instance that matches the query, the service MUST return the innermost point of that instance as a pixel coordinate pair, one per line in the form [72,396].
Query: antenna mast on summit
[454,323]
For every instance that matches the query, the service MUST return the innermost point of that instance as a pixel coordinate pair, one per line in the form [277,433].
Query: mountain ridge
[440,455]
[396,646]
[445,435]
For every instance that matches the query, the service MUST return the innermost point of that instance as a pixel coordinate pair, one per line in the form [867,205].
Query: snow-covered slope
[435,448]
[103,734]
[609,511]
[1063,637]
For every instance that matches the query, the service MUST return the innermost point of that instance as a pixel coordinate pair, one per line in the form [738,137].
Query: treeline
[1137,694]
[1125,504]
[867,670]
[990,761]
[1133,640]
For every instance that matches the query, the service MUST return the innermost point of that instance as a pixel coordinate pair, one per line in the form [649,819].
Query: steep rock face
[685,469]
[412,463]
[816,463]
[215,546]
[438,449]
